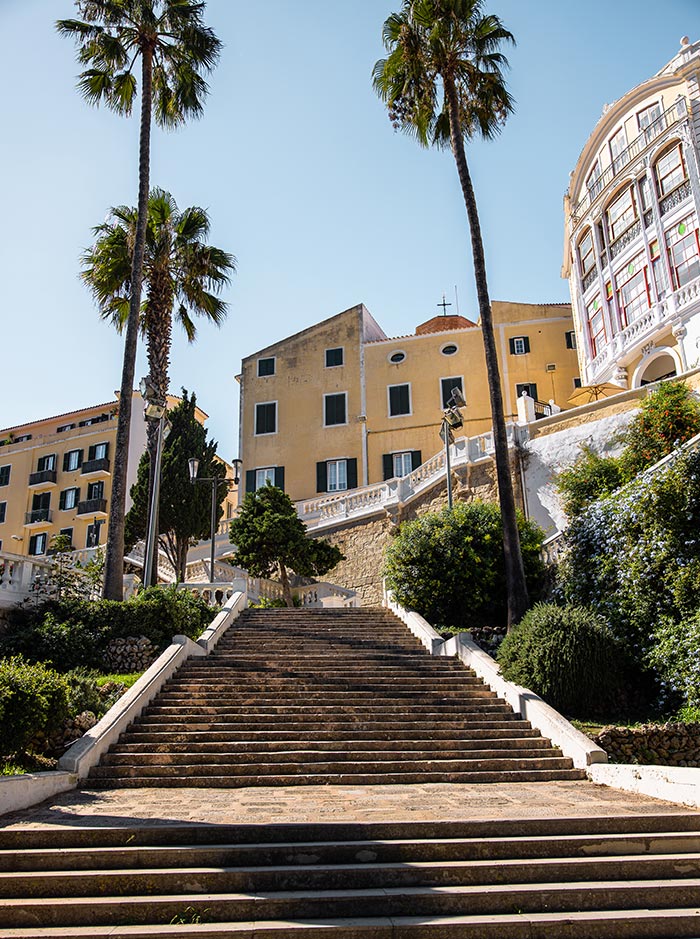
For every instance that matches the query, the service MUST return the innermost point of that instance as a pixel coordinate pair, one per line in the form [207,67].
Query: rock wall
[364,542]
[660,744]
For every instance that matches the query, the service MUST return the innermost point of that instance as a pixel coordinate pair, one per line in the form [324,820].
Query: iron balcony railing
[42,476]
[38,515]
[95,466]
[92,506]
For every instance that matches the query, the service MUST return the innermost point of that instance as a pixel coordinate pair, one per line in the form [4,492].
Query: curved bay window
[633,291]
[683,246]
[596,325]
[586,256]
[669,170]
[621,214]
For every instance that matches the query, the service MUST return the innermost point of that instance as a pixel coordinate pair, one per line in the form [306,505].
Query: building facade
[632,252]
[56,476]
[342,405]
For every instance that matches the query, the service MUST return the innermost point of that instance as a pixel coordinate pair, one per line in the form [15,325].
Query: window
[645,190]
[684,251]
[98,451]
[72,460]
[621,214]
[334,357]
[3,511]
[618,146]
[596,326]
[93,535]
[336,475]
[266,418]
[519,345]
[100,419]
[96,490]
[22,438]
[528,387]
[670,171]
[399,400]
[41,503]
[586,254]
[633,293]
[647,118]
[397,357]
[47,462]
[67,533]
[37,544]
[449,349]
[446,386]
[258,478]
[266,367]
[577,382]
[62,429]
[402,463]
[334,409]
[69,498]
[5,475]
[593,181]
[570,339]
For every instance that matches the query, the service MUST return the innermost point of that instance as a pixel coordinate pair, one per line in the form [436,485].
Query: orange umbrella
[588,393]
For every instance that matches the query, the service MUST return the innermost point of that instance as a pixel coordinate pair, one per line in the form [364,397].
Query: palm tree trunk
[515,573]
[113,588]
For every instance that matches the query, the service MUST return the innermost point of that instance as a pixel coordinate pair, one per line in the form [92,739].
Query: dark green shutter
[65,462]
[416,459]
[526,340]
[388,465]
[321,477]
[511,343]
[351,466]
[91,452]
[250,480]
[279,477]
[62,499]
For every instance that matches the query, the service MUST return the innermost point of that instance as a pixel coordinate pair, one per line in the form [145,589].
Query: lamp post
[451,420]
[154,411]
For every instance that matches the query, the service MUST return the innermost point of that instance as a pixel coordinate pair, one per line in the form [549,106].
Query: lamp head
[193,464]
[458,398]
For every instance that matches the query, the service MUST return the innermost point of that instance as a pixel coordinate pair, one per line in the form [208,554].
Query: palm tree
[174,48]
[182,276]
[443,84]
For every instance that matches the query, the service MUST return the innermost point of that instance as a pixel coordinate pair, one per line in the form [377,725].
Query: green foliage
[34,699]
[69,633]
[688,715]
[184,514]
[676,656]
[568,656]
[270,536]
[449,565]
[633,556]
[669,416]
[587,479]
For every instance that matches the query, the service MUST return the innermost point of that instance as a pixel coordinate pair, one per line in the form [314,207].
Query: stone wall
[364,542]
[652,744]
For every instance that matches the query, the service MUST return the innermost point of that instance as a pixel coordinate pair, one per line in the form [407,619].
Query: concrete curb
[21,792]
[420,627]
[680,784]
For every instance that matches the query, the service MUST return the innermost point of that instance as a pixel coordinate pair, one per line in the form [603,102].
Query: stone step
[504,731]
[249,723]
[403,746]
[181,780]
[318,710]
[391,901]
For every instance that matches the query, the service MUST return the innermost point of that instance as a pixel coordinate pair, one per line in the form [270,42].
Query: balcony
[95,466]
[41,477]
[676,113]
[38,517]
[92,507]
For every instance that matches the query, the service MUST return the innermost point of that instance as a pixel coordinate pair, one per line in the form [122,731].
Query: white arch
[648,359]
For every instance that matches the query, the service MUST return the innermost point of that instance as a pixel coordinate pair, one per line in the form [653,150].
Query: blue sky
[322,203]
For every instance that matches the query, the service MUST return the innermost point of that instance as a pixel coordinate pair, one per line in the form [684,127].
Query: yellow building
[56,476]
[342,405]
[632,246]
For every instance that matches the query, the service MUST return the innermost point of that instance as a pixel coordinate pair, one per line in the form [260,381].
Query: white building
[632,253]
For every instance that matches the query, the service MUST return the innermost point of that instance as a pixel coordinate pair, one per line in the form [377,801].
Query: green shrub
[33,701]
[568,656]
[676,657]
[449,565]
[587,479]
[670,415]
[70,633]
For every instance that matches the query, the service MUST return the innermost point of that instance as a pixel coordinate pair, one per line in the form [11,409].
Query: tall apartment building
[342,405]
[56,476]
[631,216]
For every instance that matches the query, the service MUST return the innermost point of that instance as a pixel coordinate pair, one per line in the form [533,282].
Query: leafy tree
[448,565]
[72,579]
[443,84]
[269,536]
[174,47]
[670,415]
[182,275]
[184,511]
[588,478]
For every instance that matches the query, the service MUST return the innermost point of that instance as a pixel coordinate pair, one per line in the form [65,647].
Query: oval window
[397,357]
[449,349]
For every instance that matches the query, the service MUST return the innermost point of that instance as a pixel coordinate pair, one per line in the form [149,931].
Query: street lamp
[451,420]
[215,481]
[154,411]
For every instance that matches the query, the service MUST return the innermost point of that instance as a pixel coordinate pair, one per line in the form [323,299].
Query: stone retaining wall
[659,744]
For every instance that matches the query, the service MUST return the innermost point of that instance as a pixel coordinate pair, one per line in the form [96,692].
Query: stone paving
[294,804]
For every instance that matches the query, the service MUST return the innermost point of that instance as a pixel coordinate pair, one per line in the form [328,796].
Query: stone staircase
[346,696]
[626,877]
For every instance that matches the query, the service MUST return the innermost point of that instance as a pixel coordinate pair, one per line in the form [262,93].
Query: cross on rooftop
[444,305]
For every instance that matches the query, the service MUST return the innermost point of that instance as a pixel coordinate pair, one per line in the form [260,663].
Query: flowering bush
[676,656]
[670,415]
[587,479]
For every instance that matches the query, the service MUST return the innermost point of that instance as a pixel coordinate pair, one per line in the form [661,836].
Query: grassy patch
[127,679]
